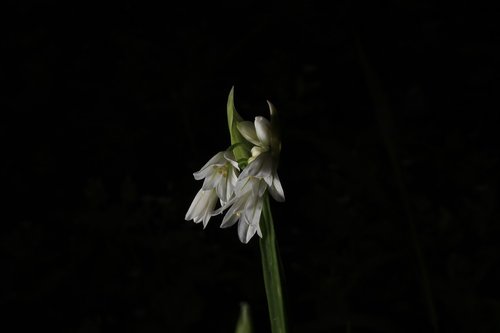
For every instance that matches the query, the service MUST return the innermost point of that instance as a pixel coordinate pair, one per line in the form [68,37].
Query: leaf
[244,324]
[241,149]
[275,139]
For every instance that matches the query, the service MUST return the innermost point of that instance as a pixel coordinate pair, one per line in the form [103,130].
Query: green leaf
[244,324]
[241,148]
[275,125]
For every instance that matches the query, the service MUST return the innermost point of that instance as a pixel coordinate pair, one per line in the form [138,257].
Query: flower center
[222,170]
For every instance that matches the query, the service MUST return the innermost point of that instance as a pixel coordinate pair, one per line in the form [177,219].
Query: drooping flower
[263,167]
[220,175]
[246,208]
[202,207]
[246,205]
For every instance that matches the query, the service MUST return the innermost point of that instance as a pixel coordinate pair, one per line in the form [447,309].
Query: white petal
[192,208]
[234,213]
[203,173]
[257,210]
[243,185]
[266,170]
[229,188]
[229,220]
[212,181]
[247,129]
[221,189]
[276,190]
[250,232]
[269,180]
[202,207]
[225,206]
[230,183]
[246,173]
[259,232]
[247,231]
[229,156]
[232,177]
[242,231]
[262,188]
[217,160]
[260,167]
[263,130]
[255,185]
[209,207]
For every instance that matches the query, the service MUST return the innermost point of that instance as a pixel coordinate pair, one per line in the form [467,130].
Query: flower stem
[272,270]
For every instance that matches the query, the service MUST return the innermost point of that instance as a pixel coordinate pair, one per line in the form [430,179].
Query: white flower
[264,161]
[246,208]
[258,176]
[264,167]
[242,196]
[220,174]
[202,207]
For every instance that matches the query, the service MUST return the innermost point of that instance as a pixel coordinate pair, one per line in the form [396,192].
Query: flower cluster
[241,191]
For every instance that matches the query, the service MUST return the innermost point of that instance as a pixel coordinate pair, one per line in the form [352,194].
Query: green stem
[271,268]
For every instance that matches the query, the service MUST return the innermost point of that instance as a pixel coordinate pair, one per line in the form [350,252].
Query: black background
[389,117]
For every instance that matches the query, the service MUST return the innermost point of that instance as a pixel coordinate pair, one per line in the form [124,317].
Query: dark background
[389,116]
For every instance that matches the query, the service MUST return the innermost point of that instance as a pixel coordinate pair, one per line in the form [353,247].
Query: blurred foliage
[108,112]
[244,324]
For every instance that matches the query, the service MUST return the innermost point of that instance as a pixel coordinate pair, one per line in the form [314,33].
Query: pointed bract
[233,118]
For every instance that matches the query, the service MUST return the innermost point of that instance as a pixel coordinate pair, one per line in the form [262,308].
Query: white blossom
[264,160]
[246,208]
[202,207]
[258,176]
[220,175]
[220,172]
[264,167]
